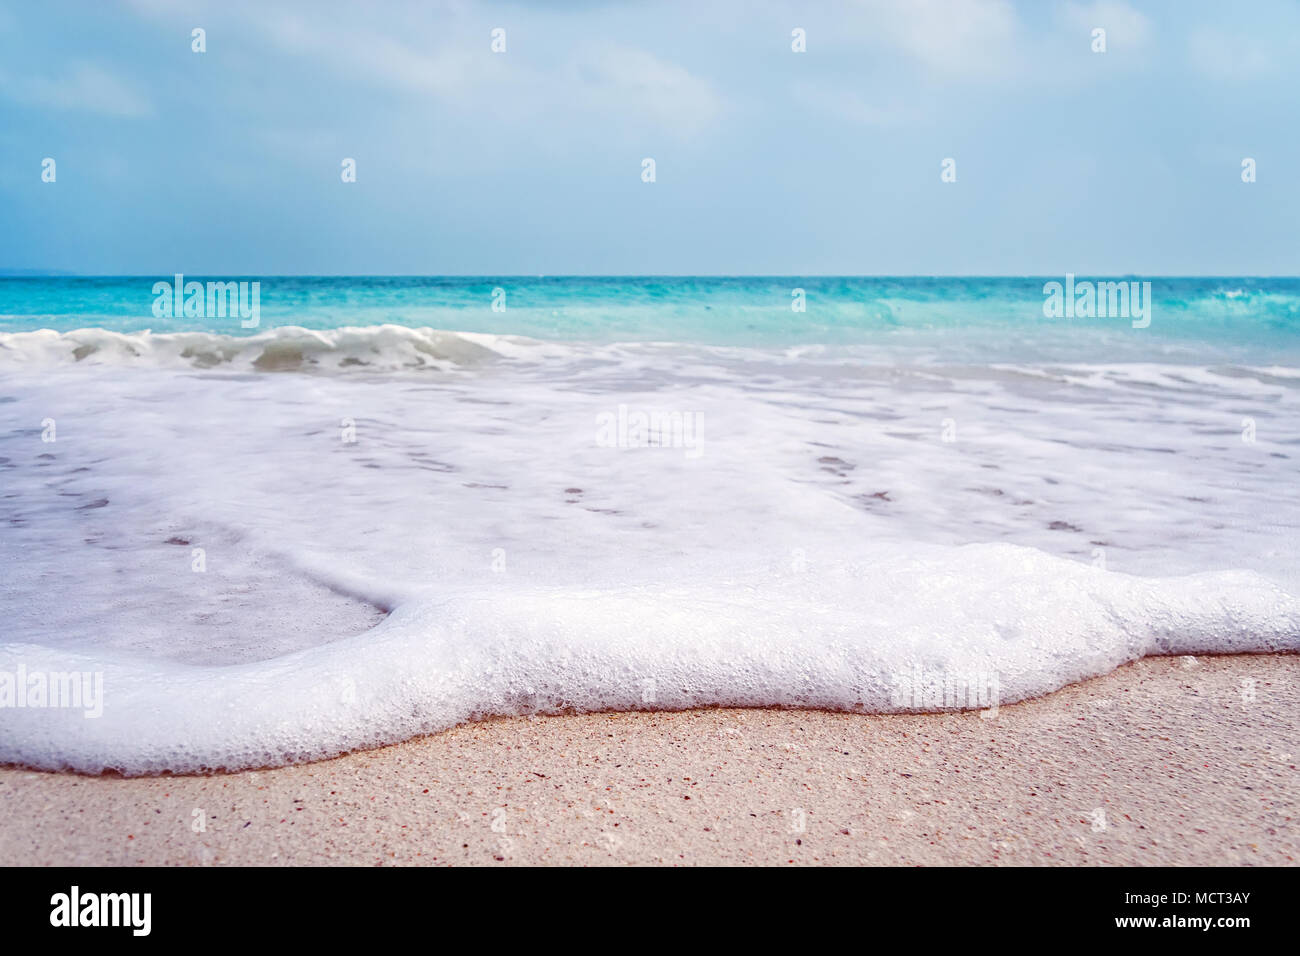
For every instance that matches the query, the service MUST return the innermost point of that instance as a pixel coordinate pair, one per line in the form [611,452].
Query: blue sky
[767,161]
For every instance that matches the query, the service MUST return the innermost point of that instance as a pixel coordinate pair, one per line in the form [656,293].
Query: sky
[767,161]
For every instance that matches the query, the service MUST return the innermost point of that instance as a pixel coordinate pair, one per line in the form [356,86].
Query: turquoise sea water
[1250,320]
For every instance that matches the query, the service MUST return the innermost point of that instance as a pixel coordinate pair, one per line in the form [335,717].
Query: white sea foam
[841,641]
[287,348]
[476,549]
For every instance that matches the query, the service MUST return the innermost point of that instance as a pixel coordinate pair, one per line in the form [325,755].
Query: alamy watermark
[213,300]
[1086,299]
[638,428]
[918,689]
[75,690]
[129,910]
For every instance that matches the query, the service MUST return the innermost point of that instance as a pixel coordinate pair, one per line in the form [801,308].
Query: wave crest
[283,349]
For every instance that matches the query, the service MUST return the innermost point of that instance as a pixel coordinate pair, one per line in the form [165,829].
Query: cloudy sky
[767,161]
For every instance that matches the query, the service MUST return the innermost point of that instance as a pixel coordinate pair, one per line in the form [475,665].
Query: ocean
[397,504]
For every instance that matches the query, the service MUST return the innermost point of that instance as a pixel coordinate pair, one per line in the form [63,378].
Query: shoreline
[1165,761]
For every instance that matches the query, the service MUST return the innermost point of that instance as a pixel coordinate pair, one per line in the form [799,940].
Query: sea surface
[391,507]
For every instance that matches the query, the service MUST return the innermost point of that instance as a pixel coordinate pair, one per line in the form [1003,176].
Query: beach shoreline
[1166,761]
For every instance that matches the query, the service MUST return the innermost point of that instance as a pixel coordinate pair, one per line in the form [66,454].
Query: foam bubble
[1024,622]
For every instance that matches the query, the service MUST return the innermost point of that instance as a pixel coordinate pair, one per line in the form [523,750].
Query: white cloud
[847,106]
[454,66]
[640,85]
[82,86]
[972,38]
[446,73]
[1126,28]
[1225,56]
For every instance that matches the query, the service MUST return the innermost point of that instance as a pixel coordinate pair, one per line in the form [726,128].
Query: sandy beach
[1166,761]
